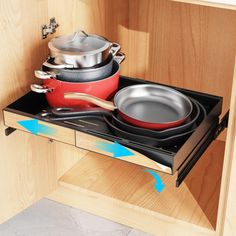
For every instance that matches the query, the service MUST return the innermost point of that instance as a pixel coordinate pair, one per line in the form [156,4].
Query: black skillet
[166,142]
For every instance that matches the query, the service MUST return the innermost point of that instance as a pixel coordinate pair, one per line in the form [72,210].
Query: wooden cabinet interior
[178,44]
[195,202]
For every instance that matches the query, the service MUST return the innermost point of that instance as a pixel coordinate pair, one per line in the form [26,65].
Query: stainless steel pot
[79,75]
[81,50]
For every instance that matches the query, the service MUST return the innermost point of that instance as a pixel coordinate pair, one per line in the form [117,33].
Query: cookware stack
[81,78]
[154,115]
[79,63]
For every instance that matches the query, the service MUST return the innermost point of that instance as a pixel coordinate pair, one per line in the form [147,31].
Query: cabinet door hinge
[49,29]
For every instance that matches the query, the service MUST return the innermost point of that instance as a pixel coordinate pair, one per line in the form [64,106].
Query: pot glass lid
[79,43]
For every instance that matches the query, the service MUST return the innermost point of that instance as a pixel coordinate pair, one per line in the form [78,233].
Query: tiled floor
[48,218]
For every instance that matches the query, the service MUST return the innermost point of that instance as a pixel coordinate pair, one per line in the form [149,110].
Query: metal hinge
[49,29]
[222,125]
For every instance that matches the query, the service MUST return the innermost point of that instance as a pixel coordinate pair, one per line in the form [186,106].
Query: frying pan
[172,140]
[148,106]
[186,126]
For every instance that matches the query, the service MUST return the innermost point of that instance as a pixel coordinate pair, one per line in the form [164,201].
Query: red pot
[55,89]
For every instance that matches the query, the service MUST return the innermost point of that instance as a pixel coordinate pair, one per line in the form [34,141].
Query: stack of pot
[79,63]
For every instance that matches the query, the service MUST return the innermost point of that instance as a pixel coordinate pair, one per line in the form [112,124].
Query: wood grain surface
[125,213]
[179,44]
[27,169]
[227,207]
[194,202]
[204,180]
[66,157]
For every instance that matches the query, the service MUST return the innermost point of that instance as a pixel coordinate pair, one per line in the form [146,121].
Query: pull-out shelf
[168,160]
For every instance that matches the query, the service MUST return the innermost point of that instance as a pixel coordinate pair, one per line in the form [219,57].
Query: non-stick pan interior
[153,103]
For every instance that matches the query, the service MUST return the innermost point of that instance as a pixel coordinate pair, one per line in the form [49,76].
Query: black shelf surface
[177,157]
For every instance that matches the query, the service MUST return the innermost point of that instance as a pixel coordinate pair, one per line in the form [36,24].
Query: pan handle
[88,111]
[115,47]
[92,99]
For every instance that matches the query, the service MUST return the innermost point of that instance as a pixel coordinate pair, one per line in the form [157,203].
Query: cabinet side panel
[227,216]
[27,168]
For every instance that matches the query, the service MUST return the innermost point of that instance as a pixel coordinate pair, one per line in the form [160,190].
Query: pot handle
[92,99]
[115,47]
[61,66]
[76,34]
[119,57]
[40,88]
[44,74]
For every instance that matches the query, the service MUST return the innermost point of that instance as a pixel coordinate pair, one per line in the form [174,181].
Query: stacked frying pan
[154,115]
[158,138]
[79,63]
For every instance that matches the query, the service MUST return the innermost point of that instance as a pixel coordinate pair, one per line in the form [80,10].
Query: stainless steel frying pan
[147,106]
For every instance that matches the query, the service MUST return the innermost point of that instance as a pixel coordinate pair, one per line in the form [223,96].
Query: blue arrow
[115,148]
[34,127]
[159,186]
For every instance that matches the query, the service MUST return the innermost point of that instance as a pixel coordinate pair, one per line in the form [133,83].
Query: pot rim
[117,70]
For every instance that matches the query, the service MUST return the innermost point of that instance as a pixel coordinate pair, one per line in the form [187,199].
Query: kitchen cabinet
[168,42]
